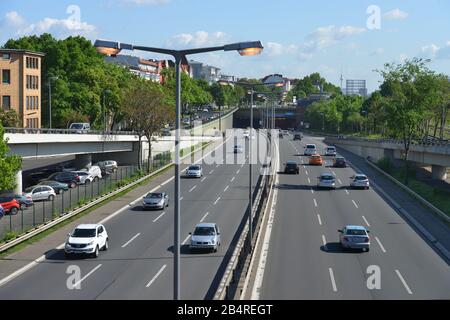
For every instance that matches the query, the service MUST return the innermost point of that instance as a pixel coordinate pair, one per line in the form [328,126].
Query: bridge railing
[65,131]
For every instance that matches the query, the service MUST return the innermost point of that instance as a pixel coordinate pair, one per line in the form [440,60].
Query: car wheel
[106,246]
[13,211]
[51,197]
[95,179]
[95,254]
[87,181]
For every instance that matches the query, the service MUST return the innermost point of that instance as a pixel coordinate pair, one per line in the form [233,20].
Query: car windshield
[154,195]
[291,164]
[330,149]
[194,168]
[310,146]
[340,159]
[361,178]
[355,232]
[84,233]
[77,126]
[327,177]
[204,231]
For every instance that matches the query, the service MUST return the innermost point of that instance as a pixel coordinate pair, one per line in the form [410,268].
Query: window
[6,56]
[6,76]
[6,102]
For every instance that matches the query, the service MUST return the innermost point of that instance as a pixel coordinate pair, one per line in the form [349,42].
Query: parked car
[354,237]
[24,201]
[316,160]
[155,200]
[330,151]
[10,204]
[94,171]
[310,149]
[80,127]
[291,167]
[57,186]
[2,212]
[71,178]
[194,171]
[339,162]
[109,164]
[326,180]
[41,192]
[87,239]
[359,181]
[205,236]
[85,177]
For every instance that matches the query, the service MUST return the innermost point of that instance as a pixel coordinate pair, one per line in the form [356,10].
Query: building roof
[22,51]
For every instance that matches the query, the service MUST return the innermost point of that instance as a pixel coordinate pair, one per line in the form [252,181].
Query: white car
[359,181]
[205,236]
[87,239]
[326,180]
[354,237]
[194,171]
[85,177]
[310,149]
[41,193]
[330,151]
[95,172]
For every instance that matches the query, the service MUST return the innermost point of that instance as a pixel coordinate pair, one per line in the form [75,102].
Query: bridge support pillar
[83,161]
[18,189]
[438,172]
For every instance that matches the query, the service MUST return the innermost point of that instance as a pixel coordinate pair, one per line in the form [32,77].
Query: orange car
[316,160]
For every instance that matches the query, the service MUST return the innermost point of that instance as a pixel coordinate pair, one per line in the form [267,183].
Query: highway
[138,264]
[305,260]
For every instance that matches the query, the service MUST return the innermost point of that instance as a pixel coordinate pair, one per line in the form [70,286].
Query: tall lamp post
[105,92]
[113,48]
[50,79]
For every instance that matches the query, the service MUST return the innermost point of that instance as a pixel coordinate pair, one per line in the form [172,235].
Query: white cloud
[199,38]
[276,49]
[14,19]
[395,14]
[378,52]
[433,51]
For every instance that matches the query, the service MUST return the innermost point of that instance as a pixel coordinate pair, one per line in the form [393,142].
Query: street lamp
[50,79]
[323,121]
[113,48]
[105,92]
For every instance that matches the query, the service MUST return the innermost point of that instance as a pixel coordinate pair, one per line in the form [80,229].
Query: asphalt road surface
[305,260]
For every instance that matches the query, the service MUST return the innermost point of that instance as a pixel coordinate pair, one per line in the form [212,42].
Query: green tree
[9,118]
[9,164]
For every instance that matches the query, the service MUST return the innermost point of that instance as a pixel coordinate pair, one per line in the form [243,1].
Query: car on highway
[291,167]
[205,236]
[155,200]
[310,149]
[71,178]
[41,192]
[10,204]
[359,181]
[80,127]
[354,237]
[330,151]
[238,149]
[339,162]
[316,160]
[194,171]
[297,136]
[87,239]
[85,177]
[326,180]
[57,186]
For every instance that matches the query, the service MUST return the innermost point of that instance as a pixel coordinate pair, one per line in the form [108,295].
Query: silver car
[205,236]
[310,149]
[194,171]
[154,200]
[330,151]
[354,237]
[326,180]
[359,181]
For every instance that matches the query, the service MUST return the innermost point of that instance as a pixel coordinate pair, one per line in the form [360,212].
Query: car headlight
[90,243]
[213,242]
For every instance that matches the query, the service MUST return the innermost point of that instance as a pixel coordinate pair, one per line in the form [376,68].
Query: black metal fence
[42,212]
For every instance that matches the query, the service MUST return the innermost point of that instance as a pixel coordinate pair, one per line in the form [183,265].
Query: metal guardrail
[65,131]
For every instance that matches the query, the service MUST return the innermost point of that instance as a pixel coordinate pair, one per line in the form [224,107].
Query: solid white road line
[309,180]
[204,217]
[226,188]
[157,218]
[192,189]
[346,191]
[315,203]
[129,241]
[355,204]
[324,241]
[320,220]
[232,179]
[185,240]
[381,246]
[365,220]
[204,178]
[156,276]
[215,202]
[403,281]
[333,283]
[84,278]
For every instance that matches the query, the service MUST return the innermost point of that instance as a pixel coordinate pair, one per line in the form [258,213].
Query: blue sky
[300,37]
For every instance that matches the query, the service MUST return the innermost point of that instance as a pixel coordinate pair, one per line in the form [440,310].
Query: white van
[95,172]
[80,127]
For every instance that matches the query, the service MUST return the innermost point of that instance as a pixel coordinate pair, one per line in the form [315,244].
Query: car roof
[88,226]
[326,174]
[354,227]
[291,162]
[360,175]
[311,144]
[206,225]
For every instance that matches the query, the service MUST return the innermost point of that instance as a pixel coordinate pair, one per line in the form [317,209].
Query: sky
[349,37]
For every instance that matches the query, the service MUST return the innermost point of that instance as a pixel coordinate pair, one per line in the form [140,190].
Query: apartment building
[20,85]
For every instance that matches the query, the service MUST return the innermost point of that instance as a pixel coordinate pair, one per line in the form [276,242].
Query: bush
[9,236]
[385,164]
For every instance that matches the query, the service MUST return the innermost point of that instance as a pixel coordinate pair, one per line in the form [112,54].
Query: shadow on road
[336,247]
